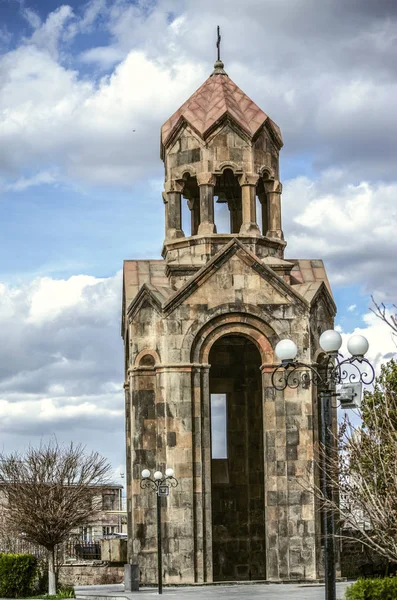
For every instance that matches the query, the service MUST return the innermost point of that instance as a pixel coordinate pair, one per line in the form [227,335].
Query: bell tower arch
[220,147]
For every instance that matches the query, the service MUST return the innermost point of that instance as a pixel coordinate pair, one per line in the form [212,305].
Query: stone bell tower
[199,329]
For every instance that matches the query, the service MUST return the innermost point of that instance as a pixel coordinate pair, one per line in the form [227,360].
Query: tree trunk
[52,589]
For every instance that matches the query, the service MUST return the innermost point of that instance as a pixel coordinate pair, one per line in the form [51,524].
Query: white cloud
[61,364]
[86,128]
[382,342]
[352,307]
[61,360]
[330,88]
[5,36]
[351,227]
[40,178]
[31,17]
[50,297]
[105,56]
[47,35]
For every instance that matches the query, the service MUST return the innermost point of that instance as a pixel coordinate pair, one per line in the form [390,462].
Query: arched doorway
[237,460]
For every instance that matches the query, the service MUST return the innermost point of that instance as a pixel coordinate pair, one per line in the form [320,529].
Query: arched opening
[221,214]
[228,209]
[237,460]
[147,361]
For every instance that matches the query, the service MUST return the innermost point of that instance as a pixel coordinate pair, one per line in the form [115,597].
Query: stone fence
[96,573]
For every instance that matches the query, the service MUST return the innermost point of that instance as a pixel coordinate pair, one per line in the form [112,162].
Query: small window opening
[259,218]
[219,425]
[222,214]
[147,361]
[186,218]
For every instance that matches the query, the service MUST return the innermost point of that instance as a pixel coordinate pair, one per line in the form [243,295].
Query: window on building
[86,533]
[219,425]
[109,530]
[109,501]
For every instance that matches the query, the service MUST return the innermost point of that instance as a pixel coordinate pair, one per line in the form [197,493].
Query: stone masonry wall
[90,574]
[170,422]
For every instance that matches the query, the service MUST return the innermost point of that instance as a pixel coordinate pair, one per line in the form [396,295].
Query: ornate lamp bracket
[334,371]
[154,484]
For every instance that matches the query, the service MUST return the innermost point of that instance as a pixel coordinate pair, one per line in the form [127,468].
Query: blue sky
[84,89]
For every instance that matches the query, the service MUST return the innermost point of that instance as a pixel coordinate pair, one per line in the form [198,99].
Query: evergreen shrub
[17,575]
[373,589]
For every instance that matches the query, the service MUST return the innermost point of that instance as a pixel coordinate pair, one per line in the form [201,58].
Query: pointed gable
[237,274]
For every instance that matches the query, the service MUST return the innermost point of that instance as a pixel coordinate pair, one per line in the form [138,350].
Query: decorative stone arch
[266,172]
[143,357]
[248,327]
[228,165]
[319,356]
[182,173]
[224,314]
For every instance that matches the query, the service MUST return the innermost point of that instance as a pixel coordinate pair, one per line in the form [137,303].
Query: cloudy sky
[84,89]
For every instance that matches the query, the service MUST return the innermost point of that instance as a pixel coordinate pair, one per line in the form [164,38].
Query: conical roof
[217,98]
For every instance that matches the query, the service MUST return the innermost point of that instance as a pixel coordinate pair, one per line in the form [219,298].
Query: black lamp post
[161,485]
[334,370]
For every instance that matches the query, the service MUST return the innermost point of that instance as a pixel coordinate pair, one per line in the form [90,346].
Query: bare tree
[382,312]
[363,472]
[51,490]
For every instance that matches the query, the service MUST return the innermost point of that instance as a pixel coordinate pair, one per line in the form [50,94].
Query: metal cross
[218,43]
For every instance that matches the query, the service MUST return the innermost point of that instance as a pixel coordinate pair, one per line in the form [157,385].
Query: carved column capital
[248,179]
[206,179]
[173,185]
[273,186]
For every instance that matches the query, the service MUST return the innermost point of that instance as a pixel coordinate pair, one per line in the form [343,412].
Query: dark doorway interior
[238,513]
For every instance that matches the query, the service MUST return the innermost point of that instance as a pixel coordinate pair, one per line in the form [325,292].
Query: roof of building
[306,274]
[217,97]
[306,278]
[138,272]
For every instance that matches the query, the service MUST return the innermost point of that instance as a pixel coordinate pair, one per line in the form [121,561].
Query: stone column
[144,455]
[265,212]
[206,471]
[290,508]
[175,450]
[273,190]
[128,410]
[194,206]
[172,196]
[248,183]
[206,182]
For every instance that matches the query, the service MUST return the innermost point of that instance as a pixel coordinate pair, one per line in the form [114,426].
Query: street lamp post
[335,370]
[161,485]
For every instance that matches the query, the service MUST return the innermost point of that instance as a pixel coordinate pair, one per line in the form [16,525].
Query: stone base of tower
[244,515]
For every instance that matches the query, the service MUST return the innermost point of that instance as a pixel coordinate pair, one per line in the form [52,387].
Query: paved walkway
[234,592]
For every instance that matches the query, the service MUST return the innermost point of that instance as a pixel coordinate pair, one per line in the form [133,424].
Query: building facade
[200,327]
